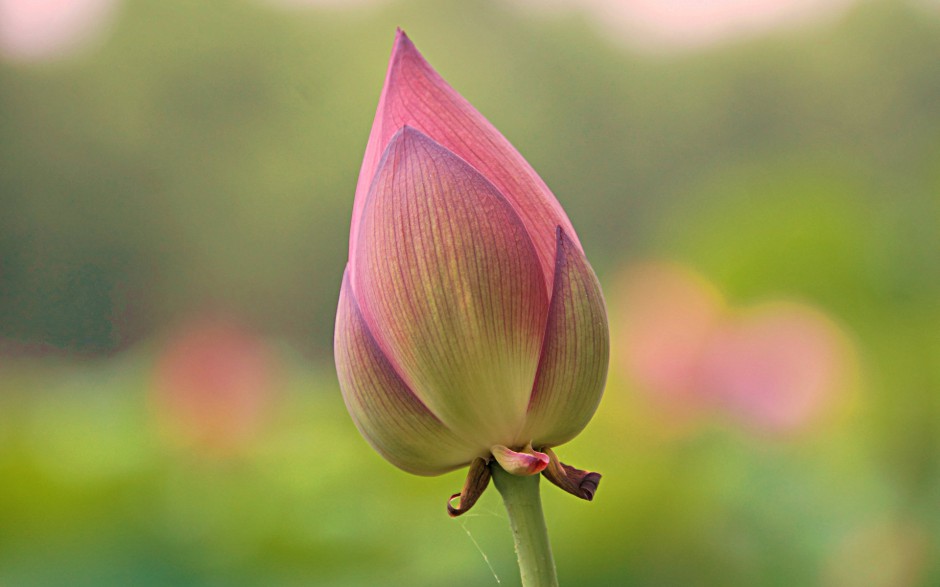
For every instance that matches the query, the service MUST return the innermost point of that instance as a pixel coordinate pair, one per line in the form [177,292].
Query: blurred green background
[174,205]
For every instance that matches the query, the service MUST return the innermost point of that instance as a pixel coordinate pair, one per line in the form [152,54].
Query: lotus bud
[470,326]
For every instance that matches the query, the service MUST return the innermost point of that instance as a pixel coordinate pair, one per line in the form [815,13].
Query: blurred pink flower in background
[36,30]
[774,368]
[214,384]
[694,23]
[668,315]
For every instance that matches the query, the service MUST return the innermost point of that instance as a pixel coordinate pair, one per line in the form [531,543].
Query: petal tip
[401,38]
[406,136]
[563,241]
[402,46]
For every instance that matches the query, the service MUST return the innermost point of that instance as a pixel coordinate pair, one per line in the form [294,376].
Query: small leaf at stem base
[478,477]
[580,483]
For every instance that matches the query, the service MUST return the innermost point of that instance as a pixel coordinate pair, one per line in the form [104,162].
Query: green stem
[524,505]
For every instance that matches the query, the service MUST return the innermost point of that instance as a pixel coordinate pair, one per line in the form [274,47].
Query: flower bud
[470,325]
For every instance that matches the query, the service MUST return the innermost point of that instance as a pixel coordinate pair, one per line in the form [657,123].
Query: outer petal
[448,277]
[573,367]
[417,96]
[387,413]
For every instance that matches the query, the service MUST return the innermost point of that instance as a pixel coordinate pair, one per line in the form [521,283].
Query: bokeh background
[756,183]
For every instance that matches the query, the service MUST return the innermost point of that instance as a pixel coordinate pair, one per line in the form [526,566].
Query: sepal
[580,483]
[478,478]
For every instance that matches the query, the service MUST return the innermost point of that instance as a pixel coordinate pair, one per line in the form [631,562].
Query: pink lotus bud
[470,325]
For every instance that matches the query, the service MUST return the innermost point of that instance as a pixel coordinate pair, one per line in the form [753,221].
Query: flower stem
[524,505]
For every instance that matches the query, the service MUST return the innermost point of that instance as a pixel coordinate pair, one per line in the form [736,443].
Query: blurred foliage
[204,160]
